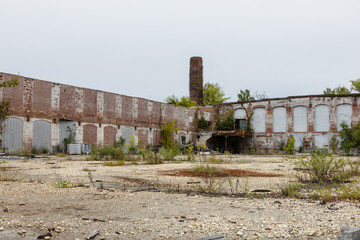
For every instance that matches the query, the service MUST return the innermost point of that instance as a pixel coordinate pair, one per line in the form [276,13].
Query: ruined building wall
[41,113]
[312,120]
[99,117]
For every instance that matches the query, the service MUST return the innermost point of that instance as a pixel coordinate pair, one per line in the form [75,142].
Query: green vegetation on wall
[350,138]
[203,124]
[225,121]
[4,105]
[167,135]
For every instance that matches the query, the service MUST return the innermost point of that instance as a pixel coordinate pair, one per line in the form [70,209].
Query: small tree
[340,90]
[355,85]
[350,137]
[184,101]
[245,95]
[203,124]
[213,93]
[167,135]
[225,121]
[4,105]
[290,145]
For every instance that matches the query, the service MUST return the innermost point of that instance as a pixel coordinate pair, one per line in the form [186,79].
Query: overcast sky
[142,47]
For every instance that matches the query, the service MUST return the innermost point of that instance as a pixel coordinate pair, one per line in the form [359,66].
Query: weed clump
[61,183]
[6,176]
[114,163]
[289,189]
[323,168]
[168,154]
[206,170]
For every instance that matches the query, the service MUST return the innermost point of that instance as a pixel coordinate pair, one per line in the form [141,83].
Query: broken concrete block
[92,234]
[349,233]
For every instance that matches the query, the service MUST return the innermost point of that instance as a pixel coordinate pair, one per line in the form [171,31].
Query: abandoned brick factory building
[42,112]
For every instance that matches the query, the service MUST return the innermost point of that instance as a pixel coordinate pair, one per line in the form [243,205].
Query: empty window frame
[279,119]
[258,120]
[300,119]
[343,115]
[240,119]
[322,120]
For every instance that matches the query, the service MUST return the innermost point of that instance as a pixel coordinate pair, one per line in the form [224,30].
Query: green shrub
[132,144]
[42,150]
[168,154]
[6,176]
[120,143]
[167,135]
[333,143]
[60,183]
[203,124]
[149,157]
[214,160]
[111,153]
[114,163]
[290,145]
[322,168]
[289,189]
[225,121]
[205,170]
[350,137]
[338,192]
[108,153]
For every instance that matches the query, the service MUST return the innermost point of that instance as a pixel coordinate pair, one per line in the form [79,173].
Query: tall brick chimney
[196,80]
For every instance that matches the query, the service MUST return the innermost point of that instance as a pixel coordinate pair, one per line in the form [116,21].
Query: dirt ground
[138,201]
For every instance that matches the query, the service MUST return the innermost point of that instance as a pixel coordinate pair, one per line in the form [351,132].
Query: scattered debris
[44,235]
[261,190]
[333,207]
[94,219]
[193,182]
[215,237]
[92,234]
[223,172]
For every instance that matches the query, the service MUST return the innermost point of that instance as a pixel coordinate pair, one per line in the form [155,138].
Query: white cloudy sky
[142,47]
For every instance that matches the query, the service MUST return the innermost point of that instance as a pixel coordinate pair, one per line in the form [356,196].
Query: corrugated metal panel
[12,135]
[41,135]
[65,125]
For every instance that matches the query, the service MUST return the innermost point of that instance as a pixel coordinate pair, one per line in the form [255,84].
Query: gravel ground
[32,206]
